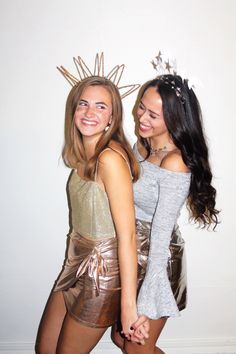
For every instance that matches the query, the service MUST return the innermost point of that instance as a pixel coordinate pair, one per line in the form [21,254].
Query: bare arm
[115,176]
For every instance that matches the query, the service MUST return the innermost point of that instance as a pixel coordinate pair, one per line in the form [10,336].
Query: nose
[142,116]
[89,112]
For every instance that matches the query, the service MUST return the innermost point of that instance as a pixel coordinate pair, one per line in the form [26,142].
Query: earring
[108,125]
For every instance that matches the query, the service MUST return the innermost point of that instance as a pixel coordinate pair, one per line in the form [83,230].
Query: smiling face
[94,111]
[151,122]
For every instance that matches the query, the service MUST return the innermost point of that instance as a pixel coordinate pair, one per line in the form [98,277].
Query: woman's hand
[140,329]
[128,317]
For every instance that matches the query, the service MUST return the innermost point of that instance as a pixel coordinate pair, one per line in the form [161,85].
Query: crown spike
[114,75]
[99,65]
[69,77]
[102,63]
[122,67]
[131,88]
[115,72]
[80,65]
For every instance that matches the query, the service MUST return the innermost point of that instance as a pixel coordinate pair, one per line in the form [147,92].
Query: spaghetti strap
[96,168]
[120,153]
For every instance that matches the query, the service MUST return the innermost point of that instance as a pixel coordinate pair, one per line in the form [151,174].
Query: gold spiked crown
[114,75]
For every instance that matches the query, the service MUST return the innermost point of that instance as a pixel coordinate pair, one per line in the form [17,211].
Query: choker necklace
[159,152]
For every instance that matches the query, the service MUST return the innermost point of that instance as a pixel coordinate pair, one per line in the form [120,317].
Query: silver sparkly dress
[159,195]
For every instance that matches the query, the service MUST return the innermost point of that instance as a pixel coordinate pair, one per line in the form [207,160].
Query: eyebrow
[81,100]
[149,110]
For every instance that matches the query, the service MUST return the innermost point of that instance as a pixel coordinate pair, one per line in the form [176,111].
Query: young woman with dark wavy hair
[175,169]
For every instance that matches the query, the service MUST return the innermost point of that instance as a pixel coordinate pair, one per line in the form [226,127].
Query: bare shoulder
[109,156]
[113,169]
[115,146]
[112,159]
[174,162]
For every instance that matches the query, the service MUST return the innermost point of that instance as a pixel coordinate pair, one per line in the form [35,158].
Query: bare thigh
[51,324]
[156,327]
[76,338]
[116,337]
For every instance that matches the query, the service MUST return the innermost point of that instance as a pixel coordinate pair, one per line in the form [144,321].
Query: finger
[134,339]
[143,332]
[122,334]
[146,327]
[142,341]
[139,321]
[128,336]
[138,334]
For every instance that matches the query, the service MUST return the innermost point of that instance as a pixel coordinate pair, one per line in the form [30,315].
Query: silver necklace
[159,151]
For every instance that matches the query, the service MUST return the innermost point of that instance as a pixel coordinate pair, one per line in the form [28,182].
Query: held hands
[140,330]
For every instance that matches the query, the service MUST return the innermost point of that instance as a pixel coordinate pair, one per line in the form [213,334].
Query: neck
[161,147]
[162,143]
[89,146]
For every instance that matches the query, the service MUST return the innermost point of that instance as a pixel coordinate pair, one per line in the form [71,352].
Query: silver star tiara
[165,68]
[114,75]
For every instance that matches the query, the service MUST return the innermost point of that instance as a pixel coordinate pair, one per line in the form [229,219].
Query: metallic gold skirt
[176,266]
[90,281]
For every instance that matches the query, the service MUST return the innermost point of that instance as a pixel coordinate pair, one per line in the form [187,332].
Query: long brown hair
[73,151]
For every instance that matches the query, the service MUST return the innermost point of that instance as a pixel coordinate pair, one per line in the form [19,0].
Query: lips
[144,128]
[89,122]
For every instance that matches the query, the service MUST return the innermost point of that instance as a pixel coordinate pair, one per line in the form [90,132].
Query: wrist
[128,306]
[128,302]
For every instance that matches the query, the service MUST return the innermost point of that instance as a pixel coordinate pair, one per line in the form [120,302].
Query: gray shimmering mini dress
[159,195]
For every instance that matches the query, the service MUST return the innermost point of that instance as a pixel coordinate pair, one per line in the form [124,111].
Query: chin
[144,135]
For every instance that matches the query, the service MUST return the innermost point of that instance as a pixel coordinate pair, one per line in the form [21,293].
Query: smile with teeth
[89,122]
[144,127]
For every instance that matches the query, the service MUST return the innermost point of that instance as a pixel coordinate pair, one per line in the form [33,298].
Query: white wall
[35,37]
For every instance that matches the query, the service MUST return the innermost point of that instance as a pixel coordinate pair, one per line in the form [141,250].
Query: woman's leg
[50,325]
[149,347]
[116,337]
[76,338]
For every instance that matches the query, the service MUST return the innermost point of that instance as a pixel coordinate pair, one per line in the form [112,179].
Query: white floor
[181,346]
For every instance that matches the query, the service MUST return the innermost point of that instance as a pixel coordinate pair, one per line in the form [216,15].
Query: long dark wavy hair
[73,151]
[183,119]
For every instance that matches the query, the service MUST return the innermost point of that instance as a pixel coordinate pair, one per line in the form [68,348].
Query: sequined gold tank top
[91,215]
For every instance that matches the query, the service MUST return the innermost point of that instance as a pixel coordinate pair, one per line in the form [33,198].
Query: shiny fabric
[176,267]
[90,278]
[90,281]
[90,211]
